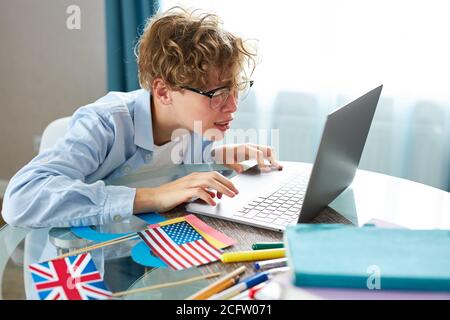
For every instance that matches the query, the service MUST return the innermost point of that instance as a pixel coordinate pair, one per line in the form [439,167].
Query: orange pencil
[220,285]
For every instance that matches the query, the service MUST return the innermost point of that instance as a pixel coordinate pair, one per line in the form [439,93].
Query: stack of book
[346,262]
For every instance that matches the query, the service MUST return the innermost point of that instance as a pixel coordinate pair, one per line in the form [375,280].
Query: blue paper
[97,236]
[140,253]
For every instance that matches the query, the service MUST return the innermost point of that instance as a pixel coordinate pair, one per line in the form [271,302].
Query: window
[318,55]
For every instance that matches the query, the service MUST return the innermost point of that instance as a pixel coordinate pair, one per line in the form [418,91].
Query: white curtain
[318,55]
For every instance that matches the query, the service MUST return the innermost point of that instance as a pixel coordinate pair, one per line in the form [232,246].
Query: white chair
[53,132]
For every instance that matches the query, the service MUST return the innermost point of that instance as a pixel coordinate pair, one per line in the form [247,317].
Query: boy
[192,72]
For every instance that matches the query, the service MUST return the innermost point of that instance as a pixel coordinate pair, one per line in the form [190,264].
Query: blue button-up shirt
[65,185]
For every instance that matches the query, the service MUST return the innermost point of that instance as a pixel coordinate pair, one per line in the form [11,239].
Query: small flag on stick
[179,245]
[70,278]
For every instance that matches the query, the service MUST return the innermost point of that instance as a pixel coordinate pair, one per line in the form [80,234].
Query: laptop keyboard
[281,207]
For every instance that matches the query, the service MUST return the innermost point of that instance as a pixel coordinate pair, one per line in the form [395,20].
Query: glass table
[371,196]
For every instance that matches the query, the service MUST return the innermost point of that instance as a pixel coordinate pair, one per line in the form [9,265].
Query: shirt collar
[143,129]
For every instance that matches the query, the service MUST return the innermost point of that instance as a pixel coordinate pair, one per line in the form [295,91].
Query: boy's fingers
[204,195]
[236,167]
[259,157]
[217,176]
[269,154]
[211,193]
[220,187]
[209,181]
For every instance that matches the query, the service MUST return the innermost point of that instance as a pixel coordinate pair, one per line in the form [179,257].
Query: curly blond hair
[183,47]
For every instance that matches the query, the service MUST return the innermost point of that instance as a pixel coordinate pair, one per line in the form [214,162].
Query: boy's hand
[230,155]
[170,195]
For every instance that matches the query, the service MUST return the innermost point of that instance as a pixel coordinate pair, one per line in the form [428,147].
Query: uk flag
[71,278]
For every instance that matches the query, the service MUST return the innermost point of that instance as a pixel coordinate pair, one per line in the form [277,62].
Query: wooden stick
[216,286]
[99,245]
[165,285]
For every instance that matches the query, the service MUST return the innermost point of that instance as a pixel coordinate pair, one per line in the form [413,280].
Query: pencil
[165,285]
[269,264]
[131,236]
[218,286]
[267,245]
[252,255]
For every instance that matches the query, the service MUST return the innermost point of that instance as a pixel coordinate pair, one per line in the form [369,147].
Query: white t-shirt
[167,156]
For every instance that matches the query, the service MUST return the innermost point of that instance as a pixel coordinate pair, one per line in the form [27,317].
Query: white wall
[46,70]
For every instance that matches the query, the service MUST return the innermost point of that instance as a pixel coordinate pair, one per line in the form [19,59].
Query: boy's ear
[161,91]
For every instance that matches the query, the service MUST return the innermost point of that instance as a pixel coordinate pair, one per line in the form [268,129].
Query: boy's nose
[231,103]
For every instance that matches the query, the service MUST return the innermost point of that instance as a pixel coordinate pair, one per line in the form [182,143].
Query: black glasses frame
[210,94]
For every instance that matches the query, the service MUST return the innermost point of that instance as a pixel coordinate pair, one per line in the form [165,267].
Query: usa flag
[71,278]
[179,245]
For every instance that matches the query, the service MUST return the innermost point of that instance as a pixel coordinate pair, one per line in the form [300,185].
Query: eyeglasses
[218,97]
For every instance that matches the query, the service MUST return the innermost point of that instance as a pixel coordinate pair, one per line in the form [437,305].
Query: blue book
[334,255]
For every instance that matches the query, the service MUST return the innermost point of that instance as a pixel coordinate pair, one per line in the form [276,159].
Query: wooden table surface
[247,235]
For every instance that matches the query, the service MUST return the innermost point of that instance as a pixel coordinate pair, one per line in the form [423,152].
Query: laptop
[298,193]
